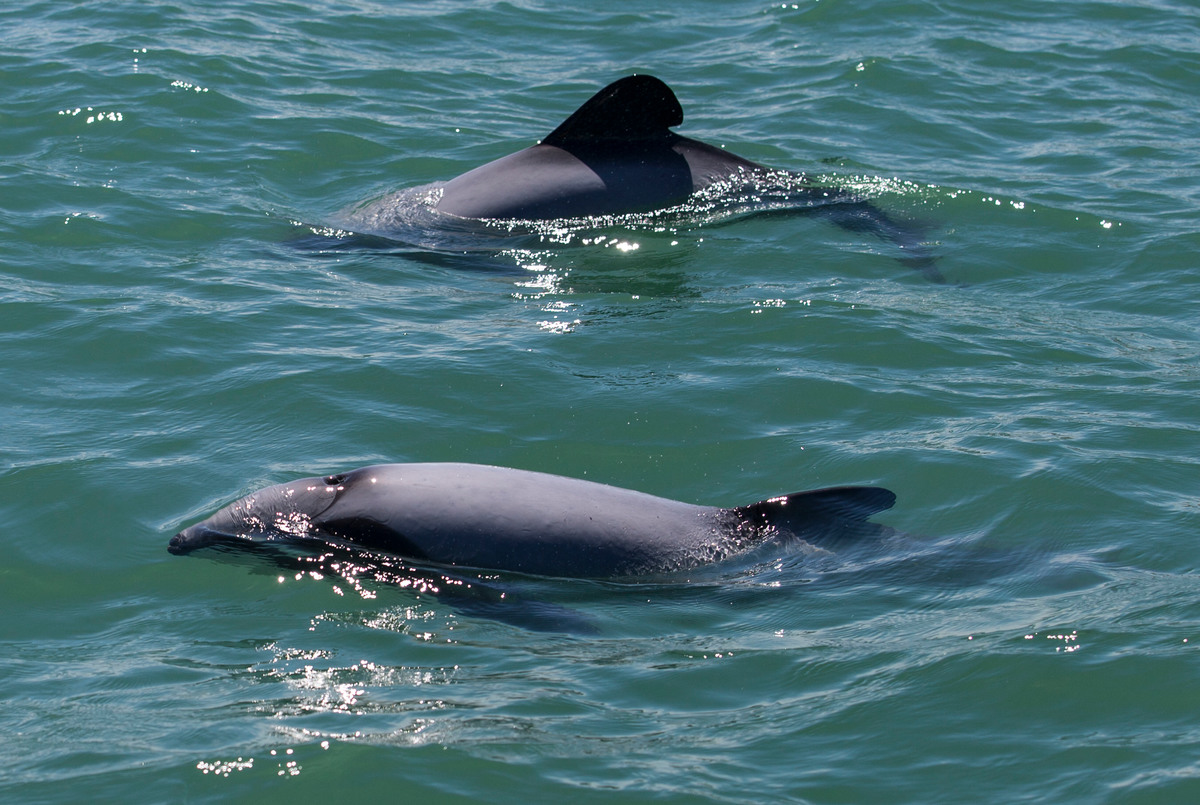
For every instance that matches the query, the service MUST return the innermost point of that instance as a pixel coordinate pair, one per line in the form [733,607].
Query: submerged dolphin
[529,522]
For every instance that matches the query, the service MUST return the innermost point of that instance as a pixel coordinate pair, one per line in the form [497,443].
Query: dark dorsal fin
[637,107]
[852,503]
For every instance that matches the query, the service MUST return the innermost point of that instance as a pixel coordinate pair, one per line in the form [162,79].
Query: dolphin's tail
[862,216]
[822,514]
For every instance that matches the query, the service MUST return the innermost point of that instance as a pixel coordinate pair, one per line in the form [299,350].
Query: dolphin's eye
[334,480]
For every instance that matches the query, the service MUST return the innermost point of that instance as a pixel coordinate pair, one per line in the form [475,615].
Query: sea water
[170,339]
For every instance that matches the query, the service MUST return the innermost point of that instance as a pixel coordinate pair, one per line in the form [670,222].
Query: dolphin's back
[545,182]
[532,522]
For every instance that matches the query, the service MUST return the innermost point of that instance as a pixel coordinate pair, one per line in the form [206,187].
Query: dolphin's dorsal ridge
[637,107]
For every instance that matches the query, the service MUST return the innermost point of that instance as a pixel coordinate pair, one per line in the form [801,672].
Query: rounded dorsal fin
[637,107]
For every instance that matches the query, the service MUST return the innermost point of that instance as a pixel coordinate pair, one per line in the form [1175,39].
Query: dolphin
[616,155]
[497,518]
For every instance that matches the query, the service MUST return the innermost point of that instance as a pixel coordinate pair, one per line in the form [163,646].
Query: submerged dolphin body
[496,518]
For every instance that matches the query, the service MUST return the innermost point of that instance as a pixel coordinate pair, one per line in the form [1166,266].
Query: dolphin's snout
[189,539]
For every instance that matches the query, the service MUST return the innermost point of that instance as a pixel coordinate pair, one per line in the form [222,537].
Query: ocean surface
[182,322]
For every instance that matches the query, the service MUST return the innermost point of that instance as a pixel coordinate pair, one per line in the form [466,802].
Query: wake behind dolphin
[477,516]
[616,159]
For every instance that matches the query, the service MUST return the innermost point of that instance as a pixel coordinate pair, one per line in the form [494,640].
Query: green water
[165,346]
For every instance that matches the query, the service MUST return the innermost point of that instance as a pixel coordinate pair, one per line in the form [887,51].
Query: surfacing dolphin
[478,516]
[616,155]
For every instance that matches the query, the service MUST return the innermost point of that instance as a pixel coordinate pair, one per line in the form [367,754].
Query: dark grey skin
[471,515]
[614,155]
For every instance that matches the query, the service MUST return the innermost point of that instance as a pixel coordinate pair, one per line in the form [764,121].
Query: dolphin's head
[282,512]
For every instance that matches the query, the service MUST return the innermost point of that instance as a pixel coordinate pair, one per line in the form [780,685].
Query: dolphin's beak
[189,539]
